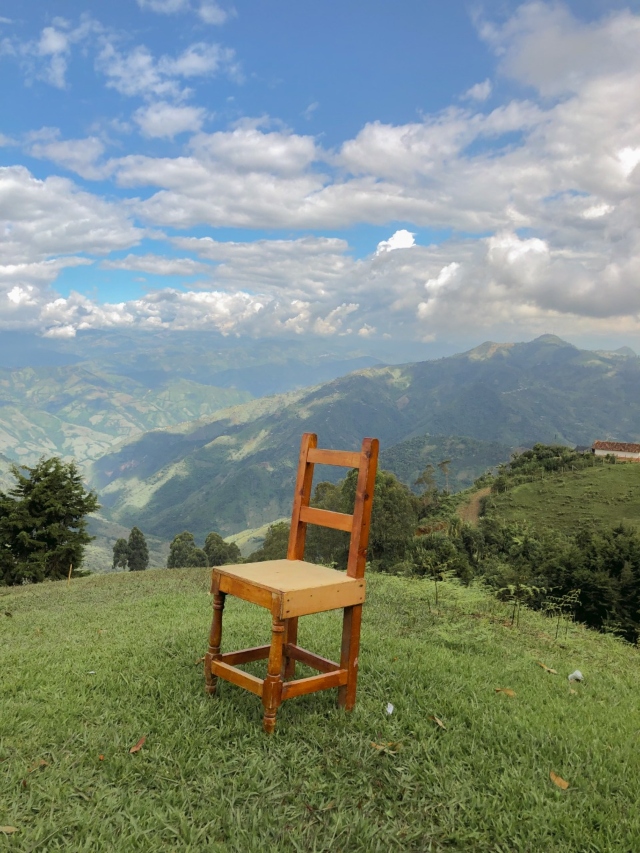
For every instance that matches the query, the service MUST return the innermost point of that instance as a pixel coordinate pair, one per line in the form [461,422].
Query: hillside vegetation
[602,496]
[92,668]
[234,470]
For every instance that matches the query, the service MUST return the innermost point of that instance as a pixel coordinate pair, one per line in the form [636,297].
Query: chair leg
[215,637]
[291,637]
[349,655]
[272,688]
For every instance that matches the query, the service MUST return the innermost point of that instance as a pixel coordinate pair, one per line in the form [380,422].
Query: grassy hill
[602,496]
[90,668]
[234,470]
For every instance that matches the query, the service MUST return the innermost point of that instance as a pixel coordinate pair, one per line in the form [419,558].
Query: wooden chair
[291,588]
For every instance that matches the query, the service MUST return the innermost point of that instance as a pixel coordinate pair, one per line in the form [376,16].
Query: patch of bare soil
[471,512]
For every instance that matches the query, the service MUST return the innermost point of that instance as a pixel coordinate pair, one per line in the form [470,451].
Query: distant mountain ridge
[234,470]
[80,397]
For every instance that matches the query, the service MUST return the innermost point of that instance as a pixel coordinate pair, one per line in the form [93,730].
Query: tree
[43,531]
[184,553]
[275,544]
[120,554]
[444,467]
[219,552]
[137,551]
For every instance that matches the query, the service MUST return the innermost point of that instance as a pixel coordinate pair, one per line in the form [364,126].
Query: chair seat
[300,588]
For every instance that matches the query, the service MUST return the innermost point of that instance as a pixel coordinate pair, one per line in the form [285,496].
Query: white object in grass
[389,708]
[576,676]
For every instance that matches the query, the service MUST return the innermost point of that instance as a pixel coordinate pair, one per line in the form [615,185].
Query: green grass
[601,496]
[89,668]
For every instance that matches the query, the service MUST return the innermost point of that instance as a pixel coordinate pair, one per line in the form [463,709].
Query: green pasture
[602,496]
[88,669]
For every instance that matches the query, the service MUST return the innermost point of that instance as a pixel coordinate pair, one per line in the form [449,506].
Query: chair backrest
[358,524]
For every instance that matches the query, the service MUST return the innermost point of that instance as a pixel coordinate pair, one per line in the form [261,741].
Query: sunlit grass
[89,668]
[601,496]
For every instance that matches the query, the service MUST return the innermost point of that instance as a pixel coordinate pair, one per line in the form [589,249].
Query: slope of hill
[235,470]
[457,461]
[602,496]
[464,762]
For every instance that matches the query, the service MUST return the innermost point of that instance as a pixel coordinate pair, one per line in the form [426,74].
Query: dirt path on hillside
[471,512]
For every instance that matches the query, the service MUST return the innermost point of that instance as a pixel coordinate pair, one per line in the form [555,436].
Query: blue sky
[374,171]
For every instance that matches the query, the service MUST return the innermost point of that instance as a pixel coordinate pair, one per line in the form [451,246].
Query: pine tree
[42,522]
[138,551]
[120,554]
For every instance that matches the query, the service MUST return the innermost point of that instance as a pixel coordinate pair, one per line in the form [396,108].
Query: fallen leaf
[547,668]
[558,780]
[573,692]
[200,660]
[507,691]
[328,807]
[139,745]
[8,830]
[390,746]
[438,722]
[38,765]
[101,758]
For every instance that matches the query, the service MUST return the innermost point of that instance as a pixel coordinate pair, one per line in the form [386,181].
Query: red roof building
[621,449]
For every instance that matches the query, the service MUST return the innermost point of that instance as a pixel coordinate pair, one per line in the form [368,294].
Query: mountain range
[80,397]
[233,469]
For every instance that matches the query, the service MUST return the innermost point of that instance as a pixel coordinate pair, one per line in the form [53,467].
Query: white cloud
[209,11]
[212,13]
[138,73]
[157,265]
[47,57]
[77,155]
[402,239]
[543,45]
[168,120]
[549,186]
[479,92]
[165,7]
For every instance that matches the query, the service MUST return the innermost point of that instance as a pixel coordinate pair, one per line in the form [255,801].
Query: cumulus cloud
[168,120]
[77,155]
[402,239]
[541,197]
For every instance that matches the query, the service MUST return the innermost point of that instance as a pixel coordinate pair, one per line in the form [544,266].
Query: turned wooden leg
[272,689]
[349,655]
[215,638]
[290,638]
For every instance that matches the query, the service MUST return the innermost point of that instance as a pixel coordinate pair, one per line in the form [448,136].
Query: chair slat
[245,655]
[344,458]
[315,661]
[301,686]
[238,677]
[326,518]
